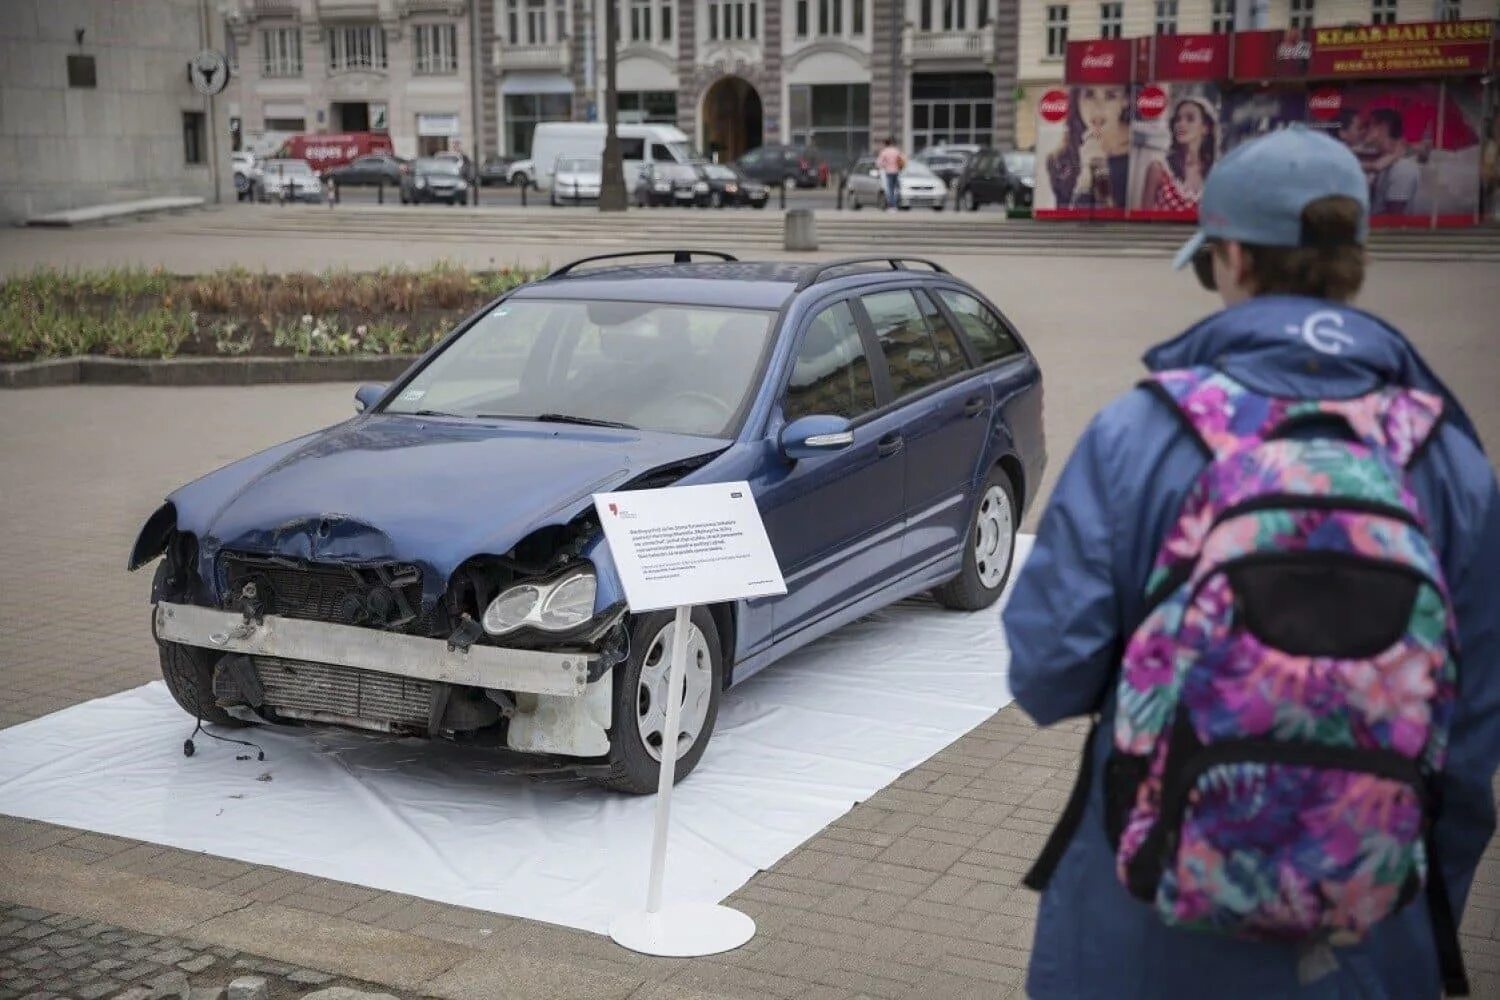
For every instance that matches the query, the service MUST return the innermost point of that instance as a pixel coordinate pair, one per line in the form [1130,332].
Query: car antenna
[188,748]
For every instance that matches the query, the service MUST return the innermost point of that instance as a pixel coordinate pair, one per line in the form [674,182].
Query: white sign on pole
[677,548]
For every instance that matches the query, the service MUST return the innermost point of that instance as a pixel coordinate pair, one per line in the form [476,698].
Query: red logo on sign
[614,509]
[1150,102]
[1325,103]
[1098,60]
[1187,54]
[1054,105]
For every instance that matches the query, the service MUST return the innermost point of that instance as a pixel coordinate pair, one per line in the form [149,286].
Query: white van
[639,145]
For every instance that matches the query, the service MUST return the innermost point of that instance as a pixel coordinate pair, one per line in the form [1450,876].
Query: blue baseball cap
[1257,193]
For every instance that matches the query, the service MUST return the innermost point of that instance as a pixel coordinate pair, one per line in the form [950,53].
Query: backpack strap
[1067,825]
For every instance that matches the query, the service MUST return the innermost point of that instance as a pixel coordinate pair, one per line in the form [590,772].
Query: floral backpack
[1283,708]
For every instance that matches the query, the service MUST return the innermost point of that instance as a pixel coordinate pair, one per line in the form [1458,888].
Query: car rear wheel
[635,738]
[988,551]
[189,673]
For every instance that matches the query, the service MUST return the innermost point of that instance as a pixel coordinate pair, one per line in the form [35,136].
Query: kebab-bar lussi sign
[1433,48]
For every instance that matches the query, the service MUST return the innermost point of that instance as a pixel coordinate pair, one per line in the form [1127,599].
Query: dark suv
[799,166]
[996,178]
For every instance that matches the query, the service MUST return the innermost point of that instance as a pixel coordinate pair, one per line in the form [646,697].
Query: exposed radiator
[324,691]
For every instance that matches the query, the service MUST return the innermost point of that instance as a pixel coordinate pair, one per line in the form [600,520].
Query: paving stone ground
[913,893]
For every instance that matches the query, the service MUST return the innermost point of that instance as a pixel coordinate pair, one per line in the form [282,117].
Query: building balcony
[553,56]
[971,46]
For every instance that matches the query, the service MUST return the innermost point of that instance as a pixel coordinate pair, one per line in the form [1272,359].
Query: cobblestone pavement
[914,893]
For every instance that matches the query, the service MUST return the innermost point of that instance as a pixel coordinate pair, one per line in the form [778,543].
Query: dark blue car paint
[854,530]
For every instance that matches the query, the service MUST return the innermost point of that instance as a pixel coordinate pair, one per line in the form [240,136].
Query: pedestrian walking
[1270,573]
[890,162]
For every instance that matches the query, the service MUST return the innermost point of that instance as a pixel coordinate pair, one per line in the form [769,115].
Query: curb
[200,371]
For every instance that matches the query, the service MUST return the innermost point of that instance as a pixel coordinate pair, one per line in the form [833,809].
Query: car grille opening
[382,595]
[327,692]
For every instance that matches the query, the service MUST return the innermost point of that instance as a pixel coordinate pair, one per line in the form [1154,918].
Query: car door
[985,181]
[835,520]
[943,418]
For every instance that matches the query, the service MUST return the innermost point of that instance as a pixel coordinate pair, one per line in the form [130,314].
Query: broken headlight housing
[556,606]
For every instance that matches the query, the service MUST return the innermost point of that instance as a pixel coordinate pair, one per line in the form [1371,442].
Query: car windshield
[578,164]
[916,168]
[719,172]
[287,167]
[433,165]
[681,369]
[1021,164]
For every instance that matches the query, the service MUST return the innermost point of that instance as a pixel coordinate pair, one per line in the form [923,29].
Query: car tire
[189,673]
[521,180]
[991,537]
[552,199]
[854,205]
[971,201]
[634,767]
[760,205]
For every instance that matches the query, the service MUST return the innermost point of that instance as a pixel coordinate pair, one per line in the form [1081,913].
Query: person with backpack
[1271,574]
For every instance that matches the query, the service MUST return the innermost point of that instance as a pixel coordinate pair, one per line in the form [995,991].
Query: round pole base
[683,931]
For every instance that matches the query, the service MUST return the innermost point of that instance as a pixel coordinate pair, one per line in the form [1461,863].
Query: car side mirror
[809,437]
[368,395]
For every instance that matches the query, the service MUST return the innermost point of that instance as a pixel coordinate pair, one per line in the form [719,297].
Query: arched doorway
[733,121]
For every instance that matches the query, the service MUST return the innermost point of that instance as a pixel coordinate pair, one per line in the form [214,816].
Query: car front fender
[152,541]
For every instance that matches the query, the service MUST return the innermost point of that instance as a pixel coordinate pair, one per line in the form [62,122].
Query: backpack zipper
[1300,501]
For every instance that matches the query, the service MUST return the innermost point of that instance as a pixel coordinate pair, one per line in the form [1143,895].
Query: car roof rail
[818,273]
[678,257]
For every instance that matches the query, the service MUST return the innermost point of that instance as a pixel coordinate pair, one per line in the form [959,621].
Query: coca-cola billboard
[1271,55]
[1325,103]
[1107,60]
[1053,107]
[1191,57]
[1150,102]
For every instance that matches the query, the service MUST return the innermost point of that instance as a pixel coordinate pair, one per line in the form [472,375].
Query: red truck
[324,151]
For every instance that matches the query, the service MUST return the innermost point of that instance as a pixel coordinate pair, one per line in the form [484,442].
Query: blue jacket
[1080,593]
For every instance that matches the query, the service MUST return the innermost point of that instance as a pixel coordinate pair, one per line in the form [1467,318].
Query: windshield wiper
[431,413]
[559,418]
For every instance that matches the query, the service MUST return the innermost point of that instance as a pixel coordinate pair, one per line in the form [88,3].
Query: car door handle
[975,406]
[888,445]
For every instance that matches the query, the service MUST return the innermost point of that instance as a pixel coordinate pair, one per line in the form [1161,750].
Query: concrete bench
[113,210]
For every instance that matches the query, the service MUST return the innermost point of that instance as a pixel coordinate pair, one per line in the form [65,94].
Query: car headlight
[700,187]
[731,188]
[553,607]
[1029,181]
[663,187]
[463,185]
[421,183]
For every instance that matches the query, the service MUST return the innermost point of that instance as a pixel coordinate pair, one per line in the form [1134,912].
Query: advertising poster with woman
[1083,150]
[1175,141]
[1420,144]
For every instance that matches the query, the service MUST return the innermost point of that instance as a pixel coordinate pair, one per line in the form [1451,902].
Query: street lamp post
[612,171]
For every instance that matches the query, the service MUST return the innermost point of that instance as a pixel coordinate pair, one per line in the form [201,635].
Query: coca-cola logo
[1150,102]
[1202,56]
[1294,51]
[1054,105]
[1325,103]
[1098,60]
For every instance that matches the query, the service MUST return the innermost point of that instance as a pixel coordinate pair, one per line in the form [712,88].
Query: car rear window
[991,340]
[914,357]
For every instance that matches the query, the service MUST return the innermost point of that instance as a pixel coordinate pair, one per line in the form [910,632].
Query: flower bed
[137,313]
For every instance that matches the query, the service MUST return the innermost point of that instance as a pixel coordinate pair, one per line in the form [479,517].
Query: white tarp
[796,746]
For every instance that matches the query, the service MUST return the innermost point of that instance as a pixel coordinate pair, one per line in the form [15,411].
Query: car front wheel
[989,548]
[189,673]
[640,708]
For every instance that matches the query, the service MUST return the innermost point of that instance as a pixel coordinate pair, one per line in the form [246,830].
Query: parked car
[324,151]
[369,171]
[246,174]
[433,567]
[996,178]
[665,184]
[792,166]
[434,179]
[947,162]
[727,186]
[288,180]
[919,187]
[522,173]
[576,179]
[495,170]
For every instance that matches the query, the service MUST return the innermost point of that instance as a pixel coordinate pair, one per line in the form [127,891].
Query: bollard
[523,194]
[843,179]
[801,230]
[380,191]
[337,195]
[474,190]
[783,193]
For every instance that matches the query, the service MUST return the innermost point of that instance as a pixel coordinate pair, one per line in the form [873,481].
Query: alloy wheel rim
[651,693]
[993,527]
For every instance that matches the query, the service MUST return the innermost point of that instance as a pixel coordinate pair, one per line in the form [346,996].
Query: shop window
[81,72]
[524,111]
[194,144]
[1111,19]
[833,118]
[1057,31]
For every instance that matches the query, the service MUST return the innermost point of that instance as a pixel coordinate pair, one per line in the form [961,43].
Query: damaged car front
[434,567]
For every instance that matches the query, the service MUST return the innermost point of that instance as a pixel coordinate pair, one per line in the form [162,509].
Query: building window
[1111,19]
[1057,31]
[194,147]
[231,50]
[655,106]
[981,13]
[1166,17]
[802,18]
[955,15]
[952,107]
[281,52]
[524,111]
[640,20]
[830,17]
[286,124]
[666,22]
[1223,15]
[834,118]
[82,73]
[1450,10]
[823,6]
[926,15]
[357,47]
[857,18]
[1382,11]
[1299,14]
[733,20]
[437,48]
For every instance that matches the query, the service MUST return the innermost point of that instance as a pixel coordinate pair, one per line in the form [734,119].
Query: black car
[672,184]
[495,170]
[434,179]
[801,166]
[948,162]
[727,186]
[996,178]
[368,171]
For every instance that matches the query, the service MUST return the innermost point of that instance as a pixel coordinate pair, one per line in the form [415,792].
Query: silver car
[288,180]
[576,179]
[918,187]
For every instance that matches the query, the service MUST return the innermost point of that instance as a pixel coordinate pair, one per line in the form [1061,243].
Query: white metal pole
[676,680]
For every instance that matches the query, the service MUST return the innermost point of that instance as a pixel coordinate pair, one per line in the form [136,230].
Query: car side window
[912,356]
[633,149]
[661,154]
[991,340]
[832,373]
[753,158]
[950,351]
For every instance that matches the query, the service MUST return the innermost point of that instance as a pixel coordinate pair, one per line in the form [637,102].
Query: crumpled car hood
[429,491]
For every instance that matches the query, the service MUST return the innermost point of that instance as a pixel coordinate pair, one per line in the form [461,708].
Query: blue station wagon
[434,566]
